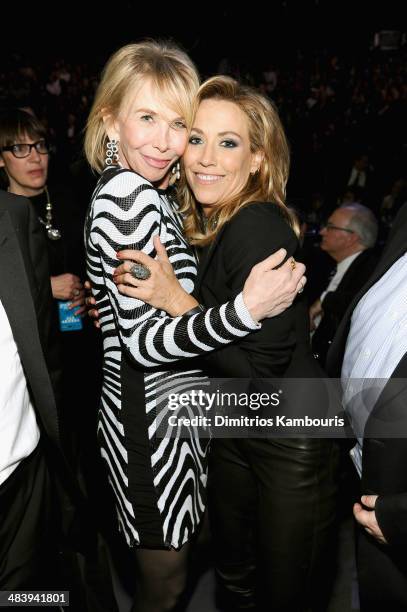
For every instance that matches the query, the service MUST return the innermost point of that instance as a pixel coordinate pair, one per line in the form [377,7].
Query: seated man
[348,237]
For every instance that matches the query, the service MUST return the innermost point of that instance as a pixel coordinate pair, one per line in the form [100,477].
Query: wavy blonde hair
[171,71]
[267,136]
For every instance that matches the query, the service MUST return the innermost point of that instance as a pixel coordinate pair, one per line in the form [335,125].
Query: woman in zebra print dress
[141,112]
[271,501]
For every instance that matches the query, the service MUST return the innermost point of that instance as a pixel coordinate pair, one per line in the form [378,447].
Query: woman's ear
[110,125]
[257,159]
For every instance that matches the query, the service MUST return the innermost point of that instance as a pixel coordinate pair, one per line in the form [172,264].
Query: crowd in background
[335,109]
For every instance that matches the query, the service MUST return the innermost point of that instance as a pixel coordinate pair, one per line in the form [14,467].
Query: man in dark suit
[370,352]
[348,237]
[32,462]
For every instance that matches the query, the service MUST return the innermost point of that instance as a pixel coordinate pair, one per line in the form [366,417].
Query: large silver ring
[140,272]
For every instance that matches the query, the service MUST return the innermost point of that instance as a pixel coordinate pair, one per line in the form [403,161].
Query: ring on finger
[140,271]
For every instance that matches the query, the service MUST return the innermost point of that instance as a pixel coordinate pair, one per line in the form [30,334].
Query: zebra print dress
[158,481]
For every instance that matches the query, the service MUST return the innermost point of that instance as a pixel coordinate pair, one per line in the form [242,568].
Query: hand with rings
[151,280]
[272,285]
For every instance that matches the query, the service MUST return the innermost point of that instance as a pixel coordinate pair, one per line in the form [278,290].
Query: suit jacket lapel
[15,290]
[394,386]
[17,299]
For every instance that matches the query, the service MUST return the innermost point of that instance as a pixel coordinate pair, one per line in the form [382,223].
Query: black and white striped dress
[159,482]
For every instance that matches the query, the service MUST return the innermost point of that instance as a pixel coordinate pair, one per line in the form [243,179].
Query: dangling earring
[176,171]
[112,152]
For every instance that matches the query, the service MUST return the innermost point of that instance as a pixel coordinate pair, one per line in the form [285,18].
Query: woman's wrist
[181,304]
[247,314]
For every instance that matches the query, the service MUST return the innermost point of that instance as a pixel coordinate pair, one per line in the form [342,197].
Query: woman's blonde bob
[267,136]
[171,71]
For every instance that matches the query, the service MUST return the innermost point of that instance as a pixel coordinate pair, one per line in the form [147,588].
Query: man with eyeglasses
[348,237]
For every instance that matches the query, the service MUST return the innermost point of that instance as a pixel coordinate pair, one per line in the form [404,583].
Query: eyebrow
[149,111]
[219,133]
[146,110]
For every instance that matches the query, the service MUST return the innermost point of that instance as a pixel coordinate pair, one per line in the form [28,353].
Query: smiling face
[27,175]
[151,135]
[218,160]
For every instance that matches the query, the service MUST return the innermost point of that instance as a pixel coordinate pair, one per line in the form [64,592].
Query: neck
[28,192]
[343,256]
[163,183]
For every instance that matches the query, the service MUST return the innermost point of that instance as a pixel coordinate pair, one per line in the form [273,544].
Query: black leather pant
[272,513]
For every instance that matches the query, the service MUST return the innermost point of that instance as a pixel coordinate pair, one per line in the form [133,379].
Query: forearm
[163,339]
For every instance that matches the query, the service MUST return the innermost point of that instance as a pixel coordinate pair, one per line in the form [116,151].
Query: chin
[39,185]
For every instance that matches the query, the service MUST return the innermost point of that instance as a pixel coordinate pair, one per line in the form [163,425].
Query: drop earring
[112,152]
[176,171]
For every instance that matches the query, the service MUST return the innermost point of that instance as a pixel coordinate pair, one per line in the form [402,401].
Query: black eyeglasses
[330,226]
[23,149]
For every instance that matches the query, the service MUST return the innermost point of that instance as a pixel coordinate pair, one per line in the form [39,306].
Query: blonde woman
[137,130]
[271,501]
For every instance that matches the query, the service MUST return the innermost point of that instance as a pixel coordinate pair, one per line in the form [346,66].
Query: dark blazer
[25,293]
[336,302]
[384,459]
[253,234]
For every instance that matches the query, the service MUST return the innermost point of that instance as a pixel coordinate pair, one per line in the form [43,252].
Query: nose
[161,138]
[207,157]
[322,231]
[34,155]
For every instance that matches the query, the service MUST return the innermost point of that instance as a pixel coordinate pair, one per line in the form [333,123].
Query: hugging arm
[150,337]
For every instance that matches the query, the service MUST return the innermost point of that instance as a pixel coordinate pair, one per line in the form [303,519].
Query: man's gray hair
[364,223]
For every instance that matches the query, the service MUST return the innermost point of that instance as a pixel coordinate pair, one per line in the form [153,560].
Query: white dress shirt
[19,432]
[376,343]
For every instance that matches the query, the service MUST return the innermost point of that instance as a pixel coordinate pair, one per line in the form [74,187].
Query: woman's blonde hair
[171,71]
[267,136]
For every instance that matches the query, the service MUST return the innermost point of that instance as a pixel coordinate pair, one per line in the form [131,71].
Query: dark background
[209,31]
